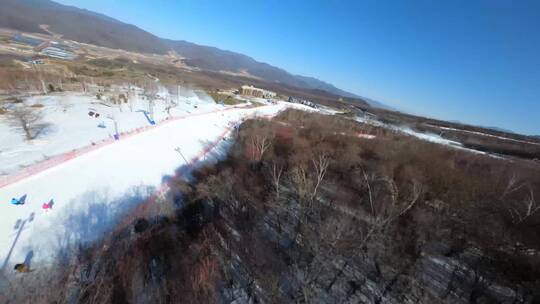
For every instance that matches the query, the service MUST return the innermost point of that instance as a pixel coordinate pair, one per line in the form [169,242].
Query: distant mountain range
[93,28]
[378,104]
[502,130]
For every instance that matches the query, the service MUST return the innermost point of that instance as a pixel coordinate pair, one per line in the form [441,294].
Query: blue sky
[473,61]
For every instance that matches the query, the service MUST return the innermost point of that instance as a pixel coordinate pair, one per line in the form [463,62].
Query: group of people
[22,201]
[25,267]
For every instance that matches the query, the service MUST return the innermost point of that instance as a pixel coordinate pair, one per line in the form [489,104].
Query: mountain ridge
[99,29]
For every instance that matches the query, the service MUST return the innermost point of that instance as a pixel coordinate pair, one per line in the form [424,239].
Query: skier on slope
[19,201]
[16,202]
[22,268]
[47,206]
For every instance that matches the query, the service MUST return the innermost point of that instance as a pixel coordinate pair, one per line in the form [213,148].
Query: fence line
[142,208]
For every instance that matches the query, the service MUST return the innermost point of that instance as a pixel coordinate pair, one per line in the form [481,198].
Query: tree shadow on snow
[28,259]
[85,220]
[18,228]
[218,152]
[89,217]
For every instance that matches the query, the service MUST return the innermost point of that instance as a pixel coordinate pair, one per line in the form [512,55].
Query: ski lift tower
[151,108]
[116,134]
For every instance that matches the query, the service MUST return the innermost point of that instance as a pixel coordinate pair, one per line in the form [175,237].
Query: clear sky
[473,61]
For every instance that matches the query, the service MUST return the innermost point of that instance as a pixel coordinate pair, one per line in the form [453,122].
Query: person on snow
[21,268]
[47,206]
[19,201]
[15,201]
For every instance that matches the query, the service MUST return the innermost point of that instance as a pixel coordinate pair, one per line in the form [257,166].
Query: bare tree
[259,144]
[369,192]
[327,236]
[513,185]
[204,277]
[384,213]
[276,172]
[525,209]
[30,120]
[320,164]
[301,181]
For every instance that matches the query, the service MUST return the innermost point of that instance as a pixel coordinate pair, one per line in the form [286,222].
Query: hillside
[98,29]
[92,28]
[319,215]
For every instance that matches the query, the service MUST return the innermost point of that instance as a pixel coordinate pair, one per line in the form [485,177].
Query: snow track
[93,188]
[61,158]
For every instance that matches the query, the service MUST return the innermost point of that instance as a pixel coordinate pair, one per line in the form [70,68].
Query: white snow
[485,134]
[434,138]
[71,127]
[429,137]
[406,130]
[90,191]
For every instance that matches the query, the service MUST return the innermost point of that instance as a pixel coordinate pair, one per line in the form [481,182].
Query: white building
[256,92]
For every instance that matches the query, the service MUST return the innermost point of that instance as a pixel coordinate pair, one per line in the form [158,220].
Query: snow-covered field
[90,191]
[485,134]
[406,130]
[70,126]
[429,137]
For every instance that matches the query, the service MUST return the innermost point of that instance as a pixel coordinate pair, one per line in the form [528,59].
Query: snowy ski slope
[90,191]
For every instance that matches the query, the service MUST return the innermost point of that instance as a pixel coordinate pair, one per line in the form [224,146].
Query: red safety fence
[142,208]
[194,160]
[65,157]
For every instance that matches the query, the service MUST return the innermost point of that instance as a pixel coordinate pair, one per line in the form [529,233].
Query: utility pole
[151,108]
[177,149]
[19,226]
[116,134]
[130,97]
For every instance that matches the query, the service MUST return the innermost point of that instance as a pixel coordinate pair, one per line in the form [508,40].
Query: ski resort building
[23,39]
[256,92]
[302,101]
[58,52]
